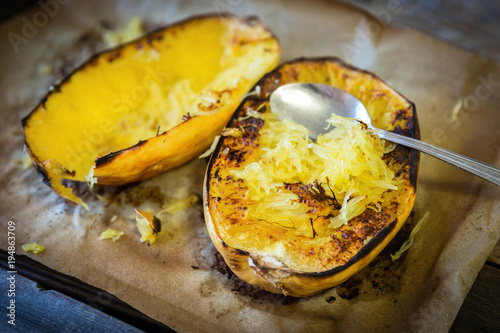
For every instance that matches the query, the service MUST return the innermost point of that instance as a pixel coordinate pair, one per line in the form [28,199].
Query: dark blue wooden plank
[79,290]
[41,310]
[481,309]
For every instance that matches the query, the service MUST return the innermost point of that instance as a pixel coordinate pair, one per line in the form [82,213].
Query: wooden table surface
[67,307]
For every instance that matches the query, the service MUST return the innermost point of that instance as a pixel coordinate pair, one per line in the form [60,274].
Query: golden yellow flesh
[287,257]
[344,168]
[175,88]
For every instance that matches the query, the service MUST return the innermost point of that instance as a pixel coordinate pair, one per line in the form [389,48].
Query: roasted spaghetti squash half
[295,216]
[142,108]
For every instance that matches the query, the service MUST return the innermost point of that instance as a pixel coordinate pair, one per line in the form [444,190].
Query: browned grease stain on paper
[382,276]
[223,280]
[246,290]
[133,194]
[137,195]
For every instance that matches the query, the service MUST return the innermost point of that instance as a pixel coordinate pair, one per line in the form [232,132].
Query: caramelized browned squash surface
[306,247]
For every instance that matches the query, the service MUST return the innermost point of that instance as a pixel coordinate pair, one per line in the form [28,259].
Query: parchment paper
[179,280]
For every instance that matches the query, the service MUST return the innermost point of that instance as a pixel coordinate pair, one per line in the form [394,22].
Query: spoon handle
[483,170]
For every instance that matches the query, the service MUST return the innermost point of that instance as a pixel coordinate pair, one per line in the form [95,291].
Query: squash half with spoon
[295,216]
[150,105]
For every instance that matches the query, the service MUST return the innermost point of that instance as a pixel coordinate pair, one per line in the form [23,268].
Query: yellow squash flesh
[275,257]
[150,105]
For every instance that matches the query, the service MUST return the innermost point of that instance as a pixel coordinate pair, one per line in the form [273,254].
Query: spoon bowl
[311,104]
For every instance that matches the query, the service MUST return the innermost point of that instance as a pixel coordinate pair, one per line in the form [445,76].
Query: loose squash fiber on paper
[293,238]
[137,110]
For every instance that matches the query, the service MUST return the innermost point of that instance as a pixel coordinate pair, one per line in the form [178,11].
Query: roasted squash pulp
[304,255]
[137,110]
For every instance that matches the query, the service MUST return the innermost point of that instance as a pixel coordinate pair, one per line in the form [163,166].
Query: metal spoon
[312,104]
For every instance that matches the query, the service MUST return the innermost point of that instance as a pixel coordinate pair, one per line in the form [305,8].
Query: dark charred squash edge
[156,224]
[365,250]
[39,169]
[100,161]
[414,153]
[43,173]
[112,54]
[414,156]
[36,163]
[241,252]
